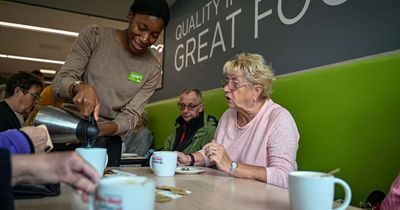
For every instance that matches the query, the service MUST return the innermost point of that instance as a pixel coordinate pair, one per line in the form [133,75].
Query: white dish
[188,170]
[117,173]
[128,155]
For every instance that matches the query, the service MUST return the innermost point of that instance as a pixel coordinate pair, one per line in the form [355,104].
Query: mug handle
[151,162]
[347,194]
[106,162]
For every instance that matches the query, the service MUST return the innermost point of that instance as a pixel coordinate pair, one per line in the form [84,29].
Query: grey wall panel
[292,36]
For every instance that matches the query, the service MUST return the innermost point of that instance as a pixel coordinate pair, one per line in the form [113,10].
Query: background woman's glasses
[35,96]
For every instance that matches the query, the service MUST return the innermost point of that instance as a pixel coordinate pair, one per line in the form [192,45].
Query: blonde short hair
[255,70]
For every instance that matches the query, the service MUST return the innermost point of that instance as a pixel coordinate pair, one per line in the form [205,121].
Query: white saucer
[188,170]
[128,155]
[118,173]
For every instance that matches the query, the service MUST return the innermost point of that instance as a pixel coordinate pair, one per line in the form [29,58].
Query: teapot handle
[92,121]
[92,131]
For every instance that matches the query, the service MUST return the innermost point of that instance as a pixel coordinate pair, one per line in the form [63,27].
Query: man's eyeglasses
[232,85]
[190,107]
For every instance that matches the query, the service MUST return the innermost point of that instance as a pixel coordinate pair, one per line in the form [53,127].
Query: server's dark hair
[158,8]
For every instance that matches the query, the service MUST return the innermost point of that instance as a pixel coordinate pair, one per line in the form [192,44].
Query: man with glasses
[194,128]
[22,93]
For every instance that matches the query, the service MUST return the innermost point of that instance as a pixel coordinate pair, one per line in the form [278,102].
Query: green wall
[348,117]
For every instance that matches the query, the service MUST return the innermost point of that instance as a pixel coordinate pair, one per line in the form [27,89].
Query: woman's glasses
[232,85]
[35,96]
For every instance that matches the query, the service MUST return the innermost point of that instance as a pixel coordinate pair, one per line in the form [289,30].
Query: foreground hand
[183,159]
[217,154]
[38,137]
[65,167]
[87,100]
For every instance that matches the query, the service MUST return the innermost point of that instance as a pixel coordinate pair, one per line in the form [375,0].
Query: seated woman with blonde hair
[255,138]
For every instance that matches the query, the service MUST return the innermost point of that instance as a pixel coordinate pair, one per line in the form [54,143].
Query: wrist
[74,87]
[192,160]
[19,169]
[233,167]
[29,141]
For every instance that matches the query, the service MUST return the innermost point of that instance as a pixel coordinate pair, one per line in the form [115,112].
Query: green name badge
[135,77]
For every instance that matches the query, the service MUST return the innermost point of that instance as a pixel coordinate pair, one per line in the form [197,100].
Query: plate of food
[188,170]
[109,172]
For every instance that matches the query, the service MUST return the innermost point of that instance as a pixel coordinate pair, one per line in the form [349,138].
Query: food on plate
[109,172]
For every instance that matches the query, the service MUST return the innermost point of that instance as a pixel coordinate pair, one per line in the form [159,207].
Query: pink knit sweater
[270,139]
[392,200]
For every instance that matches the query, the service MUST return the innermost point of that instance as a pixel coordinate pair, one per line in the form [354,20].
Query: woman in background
[255,138]
[141,138]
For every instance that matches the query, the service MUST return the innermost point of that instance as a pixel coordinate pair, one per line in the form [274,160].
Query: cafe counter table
[210,190]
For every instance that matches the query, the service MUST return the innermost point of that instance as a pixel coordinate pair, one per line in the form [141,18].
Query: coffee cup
[96,157]
[315,191]
[124,193]
[165,181]
[163,163]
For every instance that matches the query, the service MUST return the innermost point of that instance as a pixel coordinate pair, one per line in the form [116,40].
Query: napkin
[49,143]
[167,193]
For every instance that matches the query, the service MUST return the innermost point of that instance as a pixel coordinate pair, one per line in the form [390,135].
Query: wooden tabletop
[211,190]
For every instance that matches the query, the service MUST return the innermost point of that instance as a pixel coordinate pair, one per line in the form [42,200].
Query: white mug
[315,191]
[165,181]
[124,193]
[163,163]
[96,157]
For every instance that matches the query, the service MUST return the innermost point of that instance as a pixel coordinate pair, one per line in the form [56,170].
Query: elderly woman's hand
[217,154]
[183,159]
[66,167]
[38,137]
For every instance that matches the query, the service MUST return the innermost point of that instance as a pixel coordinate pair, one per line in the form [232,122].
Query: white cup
[96,157]
[165,181]
[163,163]
[315,190]
[124,193]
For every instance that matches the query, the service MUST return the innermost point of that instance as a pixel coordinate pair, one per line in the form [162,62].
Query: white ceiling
[43,45]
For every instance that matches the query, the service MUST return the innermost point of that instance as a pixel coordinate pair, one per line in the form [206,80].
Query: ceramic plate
[188,170]
[128,155]
[109,172]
